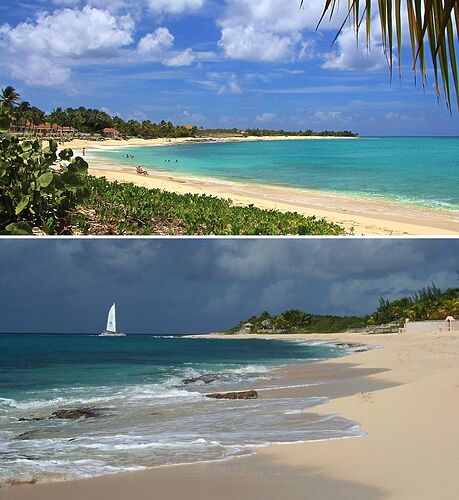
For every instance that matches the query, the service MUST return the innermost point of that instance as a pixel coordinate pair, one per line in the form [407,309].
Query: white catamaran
[110,331]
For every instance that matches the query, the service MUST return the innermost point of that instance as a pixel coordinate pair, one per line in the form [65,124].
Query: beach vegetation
[429,303]
[298,321]
[434,23]
[9,97]
[124,208]
[257,132]
[38,186]
[48,191]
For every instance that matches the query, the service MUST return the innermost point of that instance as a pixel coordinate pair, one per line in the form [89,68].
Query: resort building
[246,328]
[188,126]
[20,126]
[436,326]
[44,129]
[267,324]
[110,132]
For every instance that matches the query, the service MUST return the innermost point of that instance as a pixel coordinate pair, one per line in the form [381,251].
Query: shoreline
[358,215]
[404,397]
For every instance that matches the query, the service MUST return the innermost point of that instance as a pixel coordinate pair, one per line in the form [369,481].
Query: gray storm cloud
[174,286]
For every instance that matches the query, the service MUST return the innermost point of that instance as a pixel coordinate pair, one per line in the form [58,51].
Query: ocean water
[150,417]
[412,170]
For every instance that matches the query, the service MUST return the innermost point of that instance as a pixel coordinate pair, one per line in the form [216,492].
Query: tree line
[258,132]
[429,303]
[87,120]
[94,121]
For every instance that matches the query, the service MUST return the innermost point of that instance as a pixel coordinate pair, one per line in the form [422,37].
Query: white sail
[110,331]
[111,320]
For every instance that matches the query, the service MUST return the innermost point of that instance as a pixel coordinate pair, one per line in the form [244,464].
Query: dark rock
[23,419]
[207,378]
[28,435]
[356,347]
[76,413]
[72,414]
[234,395]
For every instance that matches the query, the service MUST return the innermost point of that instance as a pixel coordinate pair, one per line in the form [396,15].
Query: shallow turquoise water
[151,414]
[416,170]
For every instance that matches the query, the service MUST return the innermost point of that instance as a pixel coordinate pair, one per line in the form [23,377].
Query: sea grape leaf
[19,228]
[46,179]
[22,204]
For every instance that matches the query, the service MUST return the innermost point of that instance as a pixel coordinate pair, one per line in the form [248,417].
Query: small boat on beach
[110,331]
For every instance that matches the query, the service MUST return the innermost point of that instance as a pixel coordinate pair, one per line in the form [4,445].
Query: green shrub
[33,191]
[129,209]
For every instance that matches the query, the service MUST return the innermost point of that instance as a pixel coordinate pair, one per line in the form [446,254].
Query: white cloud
[270,30]
[156,43]
[174,6]
[222,83]
[326,116]
[391,116]
[278,16]
[184,58]
[231,86]
[54,43]
[66,2]
[352,56]
[70,33]
[250,44]
[38,70]
[265,117]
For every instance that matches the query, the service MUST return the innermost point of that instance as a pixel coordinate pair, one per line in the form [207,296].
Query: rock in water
[207,378]
[234,395]
[75,413]
[28,435]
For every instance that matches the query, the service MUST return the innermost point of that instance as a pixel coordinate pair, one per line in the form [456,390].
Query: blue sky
[214,63]
[201,285]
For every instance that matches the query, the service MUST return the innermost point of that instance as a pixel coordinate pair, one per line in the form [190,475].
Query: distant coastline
[174,141]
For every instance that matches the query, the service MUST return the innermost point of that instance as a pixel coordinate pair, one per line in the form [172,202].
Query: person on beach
[84,151]
[140,170]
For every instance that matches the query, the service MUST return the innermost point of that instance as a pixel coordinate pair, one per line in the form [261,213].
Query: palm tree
[436,20]
[36,116]
[9,97]
[21,112]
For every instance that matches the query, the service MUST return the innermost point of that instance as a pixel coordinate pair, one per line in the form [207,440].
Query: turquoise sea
[150,414]
[414,170]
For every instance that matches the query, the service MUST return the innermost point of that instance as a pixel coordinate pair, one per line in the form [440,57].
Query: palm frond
[430,22]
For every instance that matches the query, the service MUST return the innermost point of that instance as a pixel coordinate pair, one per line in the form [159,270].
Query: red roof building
[110,132]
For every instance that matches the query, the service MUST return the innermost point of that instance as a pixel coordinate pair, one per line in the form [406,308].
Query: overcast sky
[185,286]
[214,63]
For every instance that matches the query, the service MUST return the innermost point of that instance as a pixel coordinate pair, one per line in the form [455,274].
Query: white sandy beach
[405,397]
[357,215]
